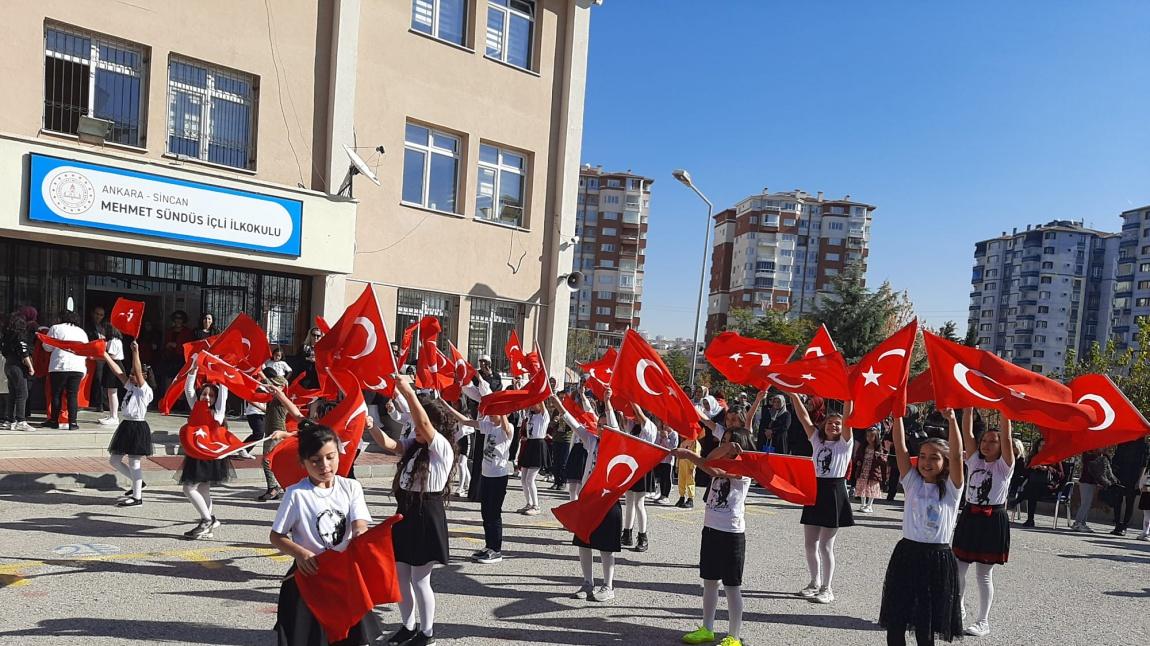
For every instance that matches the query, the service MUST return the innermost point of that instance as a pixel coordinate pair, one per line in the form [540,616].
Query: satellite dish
[358,166]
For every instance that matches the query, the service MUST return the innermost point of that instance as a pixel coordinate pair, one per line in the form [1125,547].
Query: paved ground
[76,570]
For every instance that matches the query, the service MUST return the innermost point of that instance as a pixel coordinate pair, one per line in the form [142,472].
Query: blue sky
[957,119]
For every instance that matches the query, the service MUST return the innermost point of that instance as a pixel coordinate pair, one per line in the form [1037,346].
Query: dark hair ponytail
[312,437]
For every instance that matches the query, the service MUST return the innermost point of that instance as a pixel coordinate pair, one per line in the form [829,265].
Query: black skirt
[721,556]
[576,462]
[921,589]
[421,537]
[297,626]
[981,537]
[645,484]
[131,438]
[206,471]
[534,455]
[1144,501]
[608,536]
[108,379]
[832,506]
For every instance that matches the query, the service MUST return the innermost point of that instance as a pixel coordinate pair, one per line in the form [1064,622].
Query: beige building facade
[206,167]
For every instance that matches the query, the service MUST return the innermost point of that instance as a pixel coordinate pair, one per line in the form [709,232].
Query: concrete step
[44,442]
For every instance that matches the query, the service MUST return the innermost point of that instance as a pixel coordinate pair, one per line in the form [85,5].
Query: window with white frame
[610,231]
[430,168]
[501,173]
[443,19]
[610,199]
[211,113]
[510,30]
[90,75]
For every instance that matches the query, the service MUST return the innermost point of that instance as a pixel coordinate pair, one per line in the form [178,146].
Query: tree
[971,336]
[679,365]
[858,318]
[1128,367]
[580,346]
[949,331]
[772,326]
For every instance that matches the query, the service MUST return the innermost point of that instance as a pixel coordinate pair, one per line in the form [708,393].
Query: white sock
[811,546]
[608,559]
[196,497]
[573,489]
[963,568]
[113,403]
[710,603]
[117,462]
[827,553]
[530,491]
[406,596]
[734,610]
[587,563]
[136,468]
[424,597]
[984,574]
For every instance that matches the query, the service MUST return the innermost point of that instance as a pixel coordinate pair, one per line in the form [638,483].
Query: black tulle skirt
[981,537]
[297,626]
[210,471]
[534,454]
[921,589]
[131,438]
[832,506]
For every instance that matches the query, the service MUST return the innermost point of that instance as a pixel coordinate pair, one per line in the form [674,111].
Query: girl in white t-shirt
[321,512]
[109,380]
[833,447]
[420,485]
[982,536]
[494,434]
[921,587]
[133,437]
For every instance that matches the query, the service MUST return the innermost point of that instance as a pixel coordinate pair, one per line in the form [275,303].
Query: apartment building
[781,251]
[611,225]
[1041,292]
[1132,282]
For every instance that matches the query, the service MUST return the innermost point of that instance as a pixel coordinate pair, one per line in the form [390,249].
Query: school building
[222,157]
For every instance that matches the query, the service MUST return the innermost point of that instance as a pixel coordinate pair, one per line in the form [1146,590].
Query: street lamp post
[685,178]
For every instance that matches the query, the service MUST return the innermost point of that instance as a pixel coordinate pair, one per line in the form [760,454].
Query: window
[1043,309]
[833,257]
[1044,295]
[788,222]
[443,19]
[835,226]
[1039,354]
[430,168]
[605,295]
[1048,250]
[635,184]
[1041,324]
[610,199]
[610,215]
[87,75]
[210,114]
[502,173]
[413,304]
[610,231]
[764,265]
[510,24]
[489,328]
[607,247]
[782,300]
[603,311]
[1048,265]
[1045,280]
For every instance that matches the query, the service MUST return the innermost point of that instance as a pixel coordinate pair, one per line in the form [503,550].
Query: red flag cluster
[538,389]
[641,378]
[203,438]
[91,349]
[358,343]
[348,419]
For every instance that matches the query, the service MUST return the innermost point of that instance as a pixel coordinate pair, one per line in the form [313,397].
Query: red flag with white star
[878,381]
[824,376]
[641,377]
[733,355]
[1118,422]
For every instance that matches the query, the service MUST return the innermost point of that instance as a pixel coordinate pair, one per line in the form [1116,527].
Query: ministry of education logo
[71,193]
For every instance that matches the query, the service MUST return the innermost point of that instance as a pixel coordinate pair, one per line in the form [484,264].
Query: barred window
[414,304]
[211,114]
[90,75]
[490,326]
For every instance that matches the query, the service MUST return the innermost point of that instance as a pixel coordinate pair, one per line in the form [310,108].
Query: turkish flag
[920,389]
[822,345]
[641,377]
[790,477]
[90,349]
[322,325]
[358,343]
[432,369]
[734,355]
[352,582]
[538,389]
[514,351]
[347,419]
[824,376]
[203,438]
[127,316]
[621,461]
[215,370]
[878,381]
[429,327]
[302,397]
[243,344]
[599,372]
[584,417]
[462,373]
[1119,421]
[192,347]
[968,377]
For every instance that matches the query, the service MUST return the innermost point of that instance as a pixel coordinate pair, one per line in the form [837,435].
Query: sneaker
[244,454]
[478,553]
[531,511]
[108,421]
[642,545]
[731,640]
[869,509]
[1076,527]
[823,596]
[700,636]
[584,592]
[861,509]
[690,504]
[1144,536]
[420,640]
[980,629]
[403,635]
[22,426]
[203,529]
[1029,523]
[809,592]
[270,494]
[1086,528]
[214,523]
[682,501]
[491,556]
[626,541]
[523,510]
[5,426]
[73,427]
[130,502]
[602,593]
[61,427]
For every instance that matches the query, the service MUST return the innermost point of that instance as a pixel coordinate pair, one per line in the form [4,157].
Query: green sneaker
[700,636]
[731,641]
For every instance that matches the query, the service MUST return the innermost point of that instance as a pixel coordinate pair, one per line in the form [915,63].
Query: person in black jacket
[17,370]
[774,426]
[1128,463]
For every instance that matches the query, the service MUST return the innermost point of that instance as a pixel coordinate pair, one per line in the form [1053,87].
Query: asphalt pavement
[75,570]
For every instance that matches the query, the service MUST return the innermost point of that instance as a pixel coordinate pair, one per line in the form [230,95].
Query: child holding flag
[133,437]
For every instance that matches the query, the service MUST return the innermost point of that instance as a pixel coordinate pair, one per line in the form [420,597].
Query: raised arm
[803,415]
[755,405]
[137,375]
[955,449]
[424,430]
[640,415]
[848,430]
[111,363]
[287,403]
[898,438]
[1006,440]
[968,444]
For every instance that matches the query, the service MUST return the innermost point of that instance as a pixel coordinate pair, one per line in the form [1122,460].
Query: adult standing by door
[66,370]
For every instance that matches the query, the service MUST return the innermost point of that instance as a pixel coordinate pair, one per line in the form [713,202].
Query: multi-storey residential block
[780,251]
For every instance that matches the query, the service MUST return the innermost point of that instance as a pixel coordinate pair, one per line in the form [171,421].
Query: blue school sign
[91,196]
